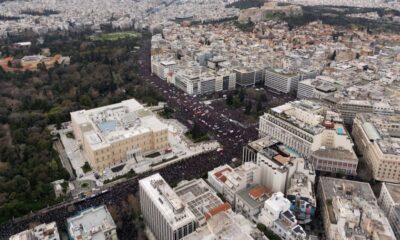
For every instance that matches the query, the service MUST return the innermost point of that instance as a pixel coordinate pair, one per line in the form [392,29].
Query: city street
[188,110]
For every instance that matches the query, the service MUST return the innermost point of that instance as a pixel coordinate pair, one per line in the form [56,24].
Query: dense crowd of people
[186,108]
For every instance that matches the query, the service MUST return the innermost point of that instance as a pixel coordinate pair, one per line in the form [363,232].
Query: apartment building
[389,201]
[276,215]
[200,198]
[228,181]
[315,88]
[163,211]
[92,224]
[302,197]
[377,139]
[250,201]
[349,109]
[350,211]
[116,133]
[44,231]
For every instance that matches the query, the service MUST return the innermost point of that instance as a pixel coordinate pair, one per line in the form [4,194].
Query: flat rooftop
[166,200]
[91,222]
[105,125]
[255,195]
[198,196]
[303,114]
[384,129]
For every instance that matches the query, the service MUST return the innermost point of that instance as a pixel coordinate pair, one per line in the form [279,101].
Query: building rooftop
[384,129]
[353,208]
[225,225]
[41,232]
[255,195]
[105,125]
[166,200]
[198,196]
[303,114]
[91,224]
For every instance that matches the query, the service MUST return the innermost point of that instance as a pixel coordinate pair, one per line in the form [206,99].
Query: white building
[228,181]
[227,225]
[276,215]
[280,81]
[306,127]
[315,88]
[41,232]
[163,211]
[92,224]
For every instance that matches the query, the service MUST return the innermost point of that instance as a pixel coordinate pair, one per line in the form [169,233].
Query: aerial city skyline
[200,119]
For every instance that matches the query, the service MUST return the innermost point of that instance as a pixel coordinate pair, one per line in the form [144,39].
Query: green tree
[86,101]
[248,107]
[242,95]
[259,106]
[229,99]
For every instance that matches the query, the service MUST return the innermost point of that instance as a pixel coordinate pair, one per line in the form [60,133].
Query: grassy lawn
[114,36]
[84,185]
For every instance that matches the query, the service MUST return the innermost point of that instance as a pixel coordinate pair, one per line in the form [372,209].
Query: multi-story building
[280,81]
[389,201]
[278,164]
[337,160]
[302,197]
[227,225]
[350,108]
[228,181]
[250,201]
[113,134]
[199,197]
[276,215]
[377,139]
[394,219]
[92,224]
[248,76]
[41,232]
[350,211]
[314,132]
[315,88]
[163,68]
[163,211]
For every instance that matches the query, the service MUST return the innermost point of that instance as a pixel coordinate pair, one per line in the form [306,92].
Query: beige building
[350,211]
[113,134]
[377,138]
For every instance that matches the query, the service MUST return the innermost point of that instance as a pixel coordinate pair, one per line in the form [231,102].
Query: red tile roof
[223,207]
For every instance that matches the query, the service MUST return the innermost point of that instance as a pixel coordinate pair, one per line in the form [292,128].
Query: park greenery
[101,73]
[86,167]
[114,36]
[196,134]
[268,232]
[242,100]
